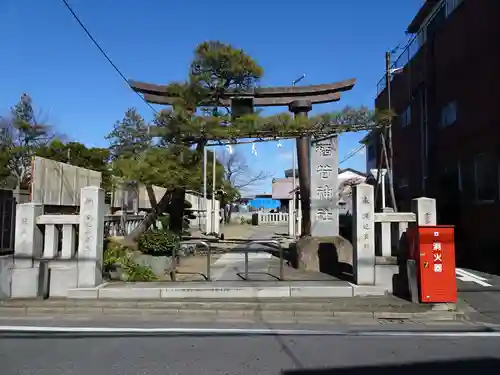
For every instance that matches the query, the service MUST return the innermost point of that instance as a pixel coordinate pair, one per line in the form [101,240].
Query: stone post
[298,218]
[216,216]
[425,210]
[28,245]
[208,216]
[29,238]
[363,234]
[324,188]
[300,108]
[291,217]
[91,237]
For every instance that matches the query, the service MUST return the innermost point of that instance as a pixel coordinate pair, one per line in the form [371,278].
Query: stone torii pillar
[301,108]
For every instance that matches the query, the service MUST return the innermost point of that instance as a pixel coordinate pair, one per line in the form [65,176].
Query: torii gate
[318,170]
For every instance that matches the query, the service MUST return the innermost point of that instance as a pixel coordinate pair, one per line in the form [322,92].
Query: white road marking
[469,276]
[242,331]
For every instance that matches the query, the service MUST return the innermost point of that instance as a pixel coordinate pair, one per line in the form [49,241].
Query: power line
[352,153]
[104,53]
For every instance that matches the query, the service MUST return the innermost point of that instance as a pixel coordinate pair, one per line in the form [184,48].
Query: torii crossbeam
[261,96]
[299,100]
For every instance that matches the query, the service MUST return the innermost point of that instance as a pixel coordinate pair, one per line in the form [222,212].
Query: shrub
[113,254]
[159,242]
[117,254]
[137,272]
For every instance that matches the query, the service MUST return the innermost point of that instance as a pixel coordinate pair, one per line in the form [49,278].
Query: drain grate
[392,321]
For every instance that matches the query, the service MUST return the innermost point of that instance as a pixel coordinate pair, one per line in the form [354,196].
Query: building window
[467,185]
[448,114]
[405,117]
[486,178]
[479,180]
[450,179]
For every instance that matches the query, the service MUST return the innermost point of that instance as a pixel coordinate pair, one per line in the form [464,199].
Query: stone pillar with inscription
[363,234]
[324,188]
[425,210]
[91,237]
[29,238]
[28,246]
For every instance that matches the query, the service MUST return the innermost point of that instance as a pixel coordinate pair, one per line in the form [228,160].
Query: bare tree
[238,172]
[344,192]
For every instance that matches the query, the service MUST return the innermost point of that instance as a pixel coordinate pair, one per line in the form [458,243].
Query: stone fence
[378,237]
[73,263]
[270,218]
[118,225]
[70,245]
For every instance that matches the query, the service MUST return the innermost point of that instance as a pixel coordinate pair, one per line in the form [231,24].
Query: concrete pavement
[245,351]
[481,291]
[231,266]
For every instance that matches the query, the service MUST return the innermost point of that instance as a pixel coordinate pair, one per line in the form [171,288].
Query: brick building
[446,137]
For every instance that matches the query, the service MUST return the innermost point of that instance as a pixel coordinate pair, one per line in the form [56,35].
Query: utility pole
[388,131]
[205,185]
[213,191]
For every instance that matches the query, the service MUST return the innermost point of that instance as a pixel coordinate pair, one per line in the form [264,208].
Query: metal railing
[175,259]
[414,45]
[265,242]
[206,242]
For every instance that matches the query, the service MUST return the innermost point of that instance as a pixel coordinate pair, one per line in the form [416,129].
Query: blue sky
[47,55]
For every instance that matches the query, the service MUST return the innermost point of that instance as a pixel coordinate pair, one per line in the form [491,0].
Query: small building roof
[353,171]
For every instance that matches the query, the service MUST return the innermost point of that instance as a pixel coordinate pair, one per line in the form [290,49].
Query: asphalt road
[482,292]
[246,354]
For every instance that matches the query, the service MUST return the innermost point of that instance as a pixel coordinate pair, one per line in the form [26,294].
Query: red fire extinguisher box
[433,250]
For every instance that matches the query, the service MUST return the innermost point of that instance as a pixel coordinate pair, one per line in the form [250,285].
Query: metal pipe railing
[243,241]
[264,242]
[209,255]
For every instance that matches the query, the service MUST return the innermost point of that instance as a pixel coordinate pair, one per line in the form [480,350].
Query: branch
[238,172]
[177,126]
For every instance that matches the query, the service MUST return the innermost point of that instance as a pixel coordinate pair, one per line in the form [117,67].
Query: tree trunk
[152,200]
[177,206]
[150,218]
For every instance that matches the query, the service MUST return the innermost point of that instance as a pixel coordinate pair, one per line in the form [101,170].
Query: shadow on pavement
[467,366]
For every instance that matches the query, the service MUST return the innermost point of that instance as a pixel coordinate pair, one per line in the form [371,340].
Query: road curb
[208,313]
